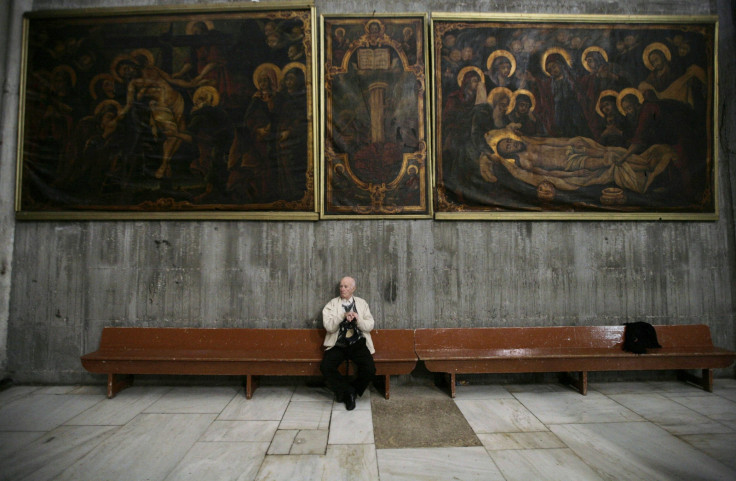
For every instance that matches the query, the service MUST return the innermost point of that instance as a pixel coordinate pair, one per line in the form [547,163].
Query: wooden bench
[567,350]
[126,351]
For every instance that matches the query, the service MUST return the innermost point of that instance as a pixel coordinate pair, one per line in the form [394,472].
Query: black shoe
[350,401]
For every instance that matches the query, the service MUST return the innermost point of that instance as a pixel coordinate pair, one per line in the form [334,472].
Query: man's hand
[351,316]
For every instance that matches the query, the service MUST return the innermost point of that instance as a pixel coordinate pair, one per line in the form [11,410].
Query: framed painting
[186,112]
[375,105]
[551,117]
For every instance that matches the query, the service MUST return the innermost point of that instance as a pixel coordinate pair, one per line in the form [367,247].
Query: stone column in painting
[377,95]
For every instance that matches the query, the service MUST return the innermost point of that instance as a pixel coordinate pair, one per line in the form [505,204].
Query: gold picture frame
[178,112]
[554,117]
[375,153]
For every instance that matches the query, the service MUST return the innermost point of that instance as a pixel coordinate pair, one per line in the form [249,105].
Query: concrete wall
[10,26]
[69,279]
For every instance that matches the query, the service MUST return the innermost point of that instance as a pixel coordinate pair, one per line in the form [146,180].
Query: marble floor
[619,431]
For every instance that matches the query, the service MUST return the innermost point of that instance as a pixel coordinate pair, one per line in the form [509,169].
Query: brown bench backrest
[392,343]
[553,337]
[233,339]
[684,335]
[167,338]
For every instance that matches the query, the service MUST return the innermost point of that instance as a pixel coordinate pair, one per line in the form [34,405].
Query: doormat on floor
[420,423]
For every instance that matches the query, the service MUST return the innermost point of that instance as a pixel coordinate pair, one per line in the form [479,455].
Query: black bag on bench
[639,336]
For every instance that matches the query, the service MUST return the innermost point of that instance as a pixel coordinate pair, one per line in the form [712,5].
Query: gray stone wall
[10,26]
[69,279]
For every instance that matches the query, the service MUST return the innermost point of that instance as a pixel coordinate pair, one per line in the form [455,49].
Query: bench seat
[566,349]
[126,351]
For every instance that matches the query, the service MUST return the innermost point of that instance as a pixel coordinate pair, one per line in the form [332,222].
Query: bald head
[347,287]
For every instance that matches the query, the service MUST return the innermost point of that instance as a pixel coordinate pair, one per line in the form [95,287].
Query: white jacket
[333,314]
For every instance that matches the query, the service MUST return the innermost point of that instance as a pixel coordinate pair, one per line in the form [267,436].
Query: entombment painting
[591,118]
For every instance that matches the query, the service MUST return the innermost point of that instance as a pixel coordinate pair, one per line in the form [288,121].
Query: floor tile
[609,388]
[12,441]
[481,391]
[350,463]
[282,441]
[730,424]
[12,393]
[546,464]
[639,450]
[531,440]
[193,400]
[629,430]
[43,412]
[94,389]
[724,383]
[718,446]
[291,468]
[466,464]
[267,404]
[307,415]
[57,389]
[241,431]
[310,441]
[121,409]
[572,407]
[499,416]
[537,387]
[307,393]
[149,447]
[712,406]
[340,463]
[224,461]
[670,415]
[729,394]
[351,427]
[676,387]
[49,455]
[364,401]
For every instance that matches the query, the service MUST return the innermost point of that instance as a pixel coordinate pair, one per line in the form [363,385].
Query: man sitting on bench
[348,322]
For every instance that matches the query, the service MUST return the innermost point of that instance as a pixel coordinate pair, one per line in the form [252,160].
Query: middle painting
[374,117]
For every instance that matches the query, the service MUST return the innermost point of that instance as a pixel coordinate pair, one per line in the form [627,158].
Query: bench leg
[705,381]
[251,384]
[442,379]
[580,383]
[117,382]
[383,383]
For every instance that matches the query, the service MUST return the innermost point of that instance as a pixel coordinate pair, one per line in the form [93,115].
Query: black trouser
[359,354]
